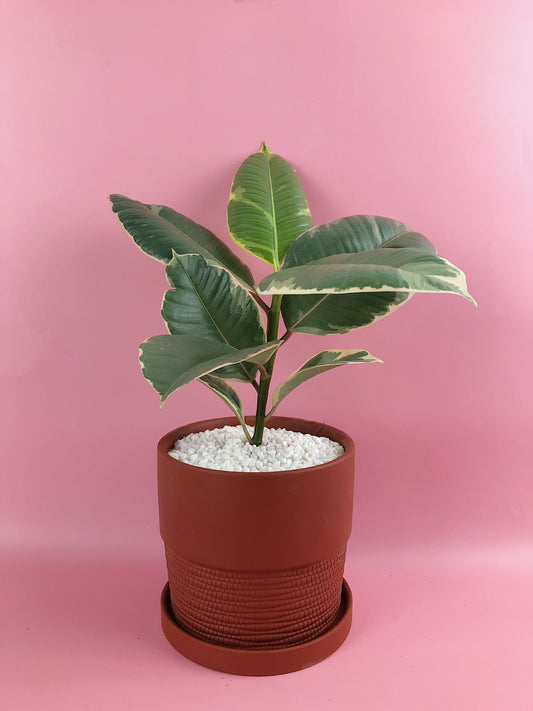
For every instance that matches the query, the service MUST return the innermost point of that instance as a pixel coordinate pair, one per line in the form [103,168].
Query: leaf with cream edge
[207,301]
[332,314]
[267,208]
[357,233]
[169,362]
[159,231]
[229,395]
[321,362]
[399,270]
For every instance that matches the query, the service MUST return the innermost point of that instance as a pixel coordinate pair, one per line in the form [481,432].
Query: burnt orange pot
[256,559]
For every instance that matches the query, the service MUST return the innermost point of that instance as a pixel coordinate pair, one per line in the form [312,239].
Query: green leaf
[267,208]
[323,315]
[168,362]
[209,302]
[333,313]
[375,270]
[326,360]
[357,233]
[159,231]
[229,395]
[336,314]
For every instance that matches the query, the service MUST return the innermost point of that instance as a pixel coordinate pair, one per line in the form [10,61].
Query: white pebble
[227,449]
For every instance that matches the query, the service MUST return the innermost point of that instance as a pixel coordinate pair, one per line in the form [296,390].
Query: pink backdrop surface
[418,111]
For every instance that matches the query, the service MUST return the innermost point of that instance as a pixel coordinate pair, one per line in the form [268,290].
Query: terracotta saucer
[257,662]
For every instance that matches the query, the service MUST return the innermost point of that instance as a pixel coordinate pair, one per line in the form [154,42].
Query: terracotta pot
[256,559]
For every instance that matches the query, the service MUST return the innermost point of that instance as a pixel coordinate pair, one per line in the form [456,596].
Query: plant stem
[266,374]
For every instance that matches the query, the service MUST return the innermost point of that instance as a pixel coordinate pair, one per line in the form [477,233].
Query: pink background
[418,111]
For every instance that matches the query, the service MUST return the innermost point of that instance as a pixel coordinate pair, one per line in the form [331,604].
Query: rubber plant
[327,279]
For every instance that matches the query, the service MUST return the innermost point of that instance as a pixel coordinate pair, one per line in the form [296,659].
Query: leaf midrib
[275,253]
[320,301]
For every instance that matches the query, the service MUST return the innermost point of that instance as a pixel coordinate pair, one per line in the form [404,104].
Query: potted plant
[256,558]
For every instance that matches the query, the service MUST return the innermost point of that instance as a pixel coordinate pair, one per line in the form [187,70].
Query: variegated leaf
[168,362]
[321,315]
[356,233]
[228,395]
[399,270]
[159,231]
[338,313]
[267,208]
[209,302]
[326,360]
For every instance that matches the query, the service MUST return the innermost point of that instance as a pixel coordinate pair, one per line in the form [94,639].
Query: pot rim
[167,440]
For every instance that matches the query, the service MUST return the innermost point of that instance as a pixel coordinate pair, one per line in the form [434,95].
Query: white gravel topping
[227,449]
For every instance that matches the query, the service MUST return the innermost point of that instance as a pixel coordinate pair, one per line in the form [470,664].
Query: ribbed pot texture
[256,559]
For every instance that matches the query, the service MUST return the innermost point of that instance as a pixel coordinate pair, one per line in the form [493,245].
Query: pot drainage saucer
[257,662]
